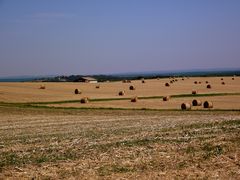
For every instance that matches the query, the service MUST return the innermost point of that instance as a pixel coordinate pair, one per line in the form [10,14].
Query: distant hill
[127,76]
[147,75]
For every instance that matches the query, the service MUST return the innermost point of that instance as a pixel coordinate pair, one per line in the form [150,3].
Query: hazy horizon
[136,73]
[106,37]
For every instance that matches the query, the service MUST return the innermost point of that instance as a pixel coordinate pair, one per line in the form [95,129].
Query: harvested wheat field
[220,102]
[149,95]
[49,134]
[110,144]
[30,91]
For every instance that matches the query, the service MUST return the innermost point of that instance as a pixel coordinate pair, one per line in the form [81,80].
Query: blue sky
[48,37]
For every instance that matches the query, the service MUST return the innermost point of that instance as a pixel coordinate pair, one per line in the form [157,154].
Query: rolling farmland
[48,134]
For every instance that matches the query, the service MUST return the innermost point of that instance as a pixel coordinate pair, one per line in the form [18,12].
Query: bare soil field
[40,143]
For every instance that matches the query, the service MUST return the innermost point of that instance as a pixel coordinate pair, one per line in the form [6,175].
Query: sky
[61,37]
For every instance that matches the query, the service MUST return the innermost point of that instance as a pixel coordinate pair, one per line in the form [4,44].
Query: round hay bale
[196,102]
[233,78]
[194,92]
[208,104]
[195,82]
[132,88]
[134,99]
[209,86]
[97,87]
[176,80]
[206,82]
[223,83]
[222,79]
[129,81]
[182,79]
[143,81]
[77,91]
[121,93]
[167,84]
[166,98]
[42,87]
[84,100]
[185,106]
[171,81]
[199,82]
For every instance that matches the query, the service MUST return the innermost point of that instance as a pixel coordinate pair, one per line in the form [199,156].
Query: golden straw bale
[208,104]
[121,93]
[196,102]
[186,106]
[84,100]
[194,92]
[77,91]
[132,88]
[167,84]
[166,98]
[209,86]
[134,99]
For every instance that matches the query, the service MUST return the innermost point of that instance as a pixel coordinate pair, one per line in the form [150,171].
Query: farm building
[86,80]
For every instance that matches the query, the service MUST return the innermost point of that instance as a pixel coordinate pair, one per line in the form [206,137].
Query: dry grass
[92,144]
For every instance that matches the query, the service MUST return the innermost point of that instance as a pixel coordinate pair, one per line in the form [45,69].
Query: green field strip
[112,108]
[148,97]
[35,106]
[204,95]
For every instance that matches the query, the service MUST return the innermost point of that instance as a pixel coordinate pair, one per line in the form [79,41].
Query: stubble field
[111,144]
[49,134]
[225,96]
